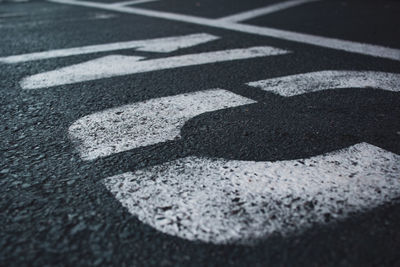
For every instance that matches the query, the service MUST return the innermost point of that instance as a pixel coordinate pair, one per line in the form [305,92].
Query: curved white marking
[112,66]
[160,45]
[223,201]
[323,80]
[146,123]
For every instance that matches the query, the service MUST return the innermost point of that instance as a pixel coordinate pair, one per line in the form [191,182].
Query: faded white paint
[265,10]
[145,123]
[160,45]
[38,22]
[333,43]
[114,65]
[221,201]
[12,15]
[323,80]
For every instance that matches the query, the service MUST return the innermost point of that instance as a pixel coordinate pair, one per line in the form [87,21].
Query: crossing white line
[133,2]
[323,80]
[265,10]
[145,123]
[160,45]
[222,201]
[326,42]
[114,65]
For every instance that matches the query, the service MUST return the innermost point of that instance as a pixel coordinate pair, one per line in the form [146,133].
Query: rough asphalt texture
[54,209]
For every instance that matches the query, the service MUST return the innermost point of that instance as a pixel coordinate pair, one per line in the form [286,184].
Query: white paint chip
[323,80]
[103,16]
[146,123]
[222,201]
[159,45]
[114,65]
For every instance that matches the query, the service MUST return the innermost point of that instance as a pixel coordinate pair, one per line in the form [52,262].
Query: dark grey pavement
[54,208]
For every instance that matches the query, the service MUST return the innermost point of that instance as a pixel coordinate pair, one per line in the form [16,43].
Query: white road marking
[265,10]
[326,42]
[160,45]
[221,201]
[145,123]
[323,80]
[114,65]
[133,2]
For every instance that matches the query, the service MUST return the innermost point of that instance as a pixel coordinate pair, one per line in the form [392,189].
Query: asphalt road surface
[199,133]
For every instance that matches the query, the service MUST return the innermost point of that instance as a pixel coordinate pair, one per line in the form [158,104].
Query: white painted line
[133,2]
[222,201]
[265,10]
[146,123]
[114,65]
[326,42]
[160,45]
[323,80]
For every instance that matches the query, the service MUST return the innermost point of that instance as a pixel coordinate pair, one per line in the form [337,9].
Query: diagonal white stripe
[265,10]
[132,2]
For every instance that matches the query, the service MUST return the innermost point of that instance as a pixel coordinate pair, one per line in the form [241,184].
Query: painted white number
[218,200]
[226,201]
